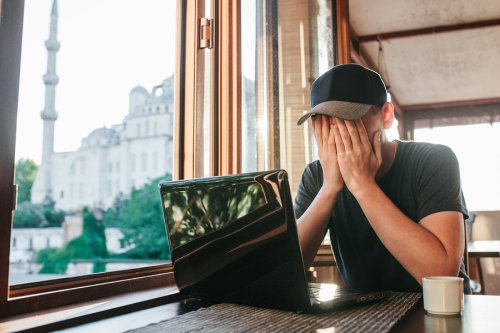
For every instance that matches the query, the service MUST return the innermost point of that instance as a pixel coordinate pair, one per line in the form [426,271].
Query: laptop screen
[234,237]
[198,208]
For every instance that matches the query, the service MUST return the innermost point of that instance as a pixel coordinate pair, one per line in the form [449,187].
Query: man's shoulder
[313,174]
[314,165]
[423,148]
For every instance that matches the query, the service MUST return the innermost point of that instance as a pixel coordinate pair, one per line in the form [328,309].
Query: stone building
[111,161]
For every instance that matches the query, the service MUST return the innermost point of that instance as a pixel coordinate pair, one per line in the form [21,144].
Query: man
[394,209]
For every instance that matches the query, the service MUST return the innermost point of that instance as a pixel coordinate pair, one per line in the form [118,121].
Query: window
[91,81]
[155,160]
[224,116]
[132,162]
[282,54]
[144,161]
[479,164]
[139,133]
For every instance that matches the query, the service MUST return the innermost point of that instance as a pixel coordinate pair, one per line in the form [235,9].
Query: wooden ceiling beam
[452,104]
[429,31]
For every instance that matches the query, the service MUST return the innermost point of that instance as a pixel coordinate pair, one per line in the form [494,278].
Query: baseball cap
[346,91]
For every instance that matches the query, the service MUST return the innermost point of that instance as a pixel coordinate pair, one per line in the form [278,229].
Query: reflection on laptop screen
[197,212]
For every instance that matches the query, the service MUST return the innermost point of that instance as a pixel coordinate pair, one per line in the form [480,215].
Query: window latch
[205,33]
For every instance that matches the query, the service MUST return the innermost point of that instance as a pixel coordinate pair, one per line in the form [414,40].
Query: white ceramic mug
[443,295]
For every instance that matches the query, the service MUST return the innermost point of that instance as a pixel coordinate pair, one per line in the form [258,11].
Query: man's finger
[344,134]
[339,145]
[363,135]
[325,128]
[331,139]
[353,133]
[317,132]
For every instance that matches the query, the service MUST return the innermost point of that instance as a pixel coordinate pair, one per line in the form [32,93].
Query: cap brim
[338,109]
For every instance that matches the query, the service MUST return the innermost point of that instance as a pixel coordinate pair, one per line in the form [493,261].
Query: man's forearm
[417,249]
[313,224]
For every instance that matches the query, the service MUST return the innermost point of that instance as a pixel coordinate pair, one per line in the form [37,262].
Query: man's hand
[327,151]
[357,160]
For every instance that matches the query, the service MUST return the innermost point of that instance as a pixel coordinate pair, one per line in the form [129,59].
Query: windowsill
[85,312]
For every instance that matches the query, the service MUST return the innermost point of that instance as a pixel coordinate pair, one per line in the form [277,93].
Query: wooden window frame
[32,297]
[228,105]
[225,92]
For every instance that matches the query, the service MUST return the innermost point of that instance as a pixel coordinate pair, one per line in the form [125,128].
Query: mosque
[110,161]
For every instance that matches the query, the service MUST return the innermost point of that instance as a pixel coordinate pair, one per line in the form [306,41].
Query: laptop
[234,239]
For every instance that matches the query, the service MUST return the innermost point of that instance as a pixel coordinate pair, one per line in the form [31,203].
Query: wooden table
[481,314]
[481,249]
[484,248]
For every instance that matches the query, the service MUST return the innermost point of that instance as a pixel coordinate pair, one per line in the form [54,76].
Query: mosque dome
[101,133]
[136,98]
[139,90]
[99,137]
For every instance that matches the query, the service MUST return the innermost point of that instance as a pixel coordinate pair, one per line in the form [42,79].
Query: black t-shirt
[423,180]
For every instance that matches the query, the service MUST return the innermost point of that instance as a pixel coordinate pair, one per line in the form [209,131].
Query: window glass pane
[307,50]
[479,164]
[87,166]
[249,69]
[276,88]
[205,87]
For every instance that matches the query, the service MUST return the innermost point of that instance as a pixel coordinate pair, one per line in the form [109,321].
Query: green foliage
[26,171]
[112,215]
[28,215]
[53,216]
[140,218]
[91,243]
[55,261]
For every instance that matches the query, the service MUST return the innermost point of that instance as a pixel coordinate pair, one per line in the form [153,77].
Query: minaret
[42,188]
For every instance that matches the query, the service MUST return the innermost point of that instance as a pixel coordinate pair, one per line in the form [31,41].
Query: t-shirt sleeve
[309,186]
[439,187]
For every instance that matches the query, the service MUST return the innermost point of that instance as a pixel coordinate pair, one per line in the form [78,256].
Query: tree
[112,215]
[26,171]
[91,244]
[55,261]
[54,217]
[140,218]
[28,215]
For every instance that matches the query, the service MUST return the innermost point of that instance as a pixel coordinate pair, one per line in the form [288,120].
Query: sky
[107,48]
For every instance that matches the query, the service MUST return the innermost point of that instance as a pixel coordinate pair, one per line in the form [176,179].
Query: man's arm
[434,246]
[312,225]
